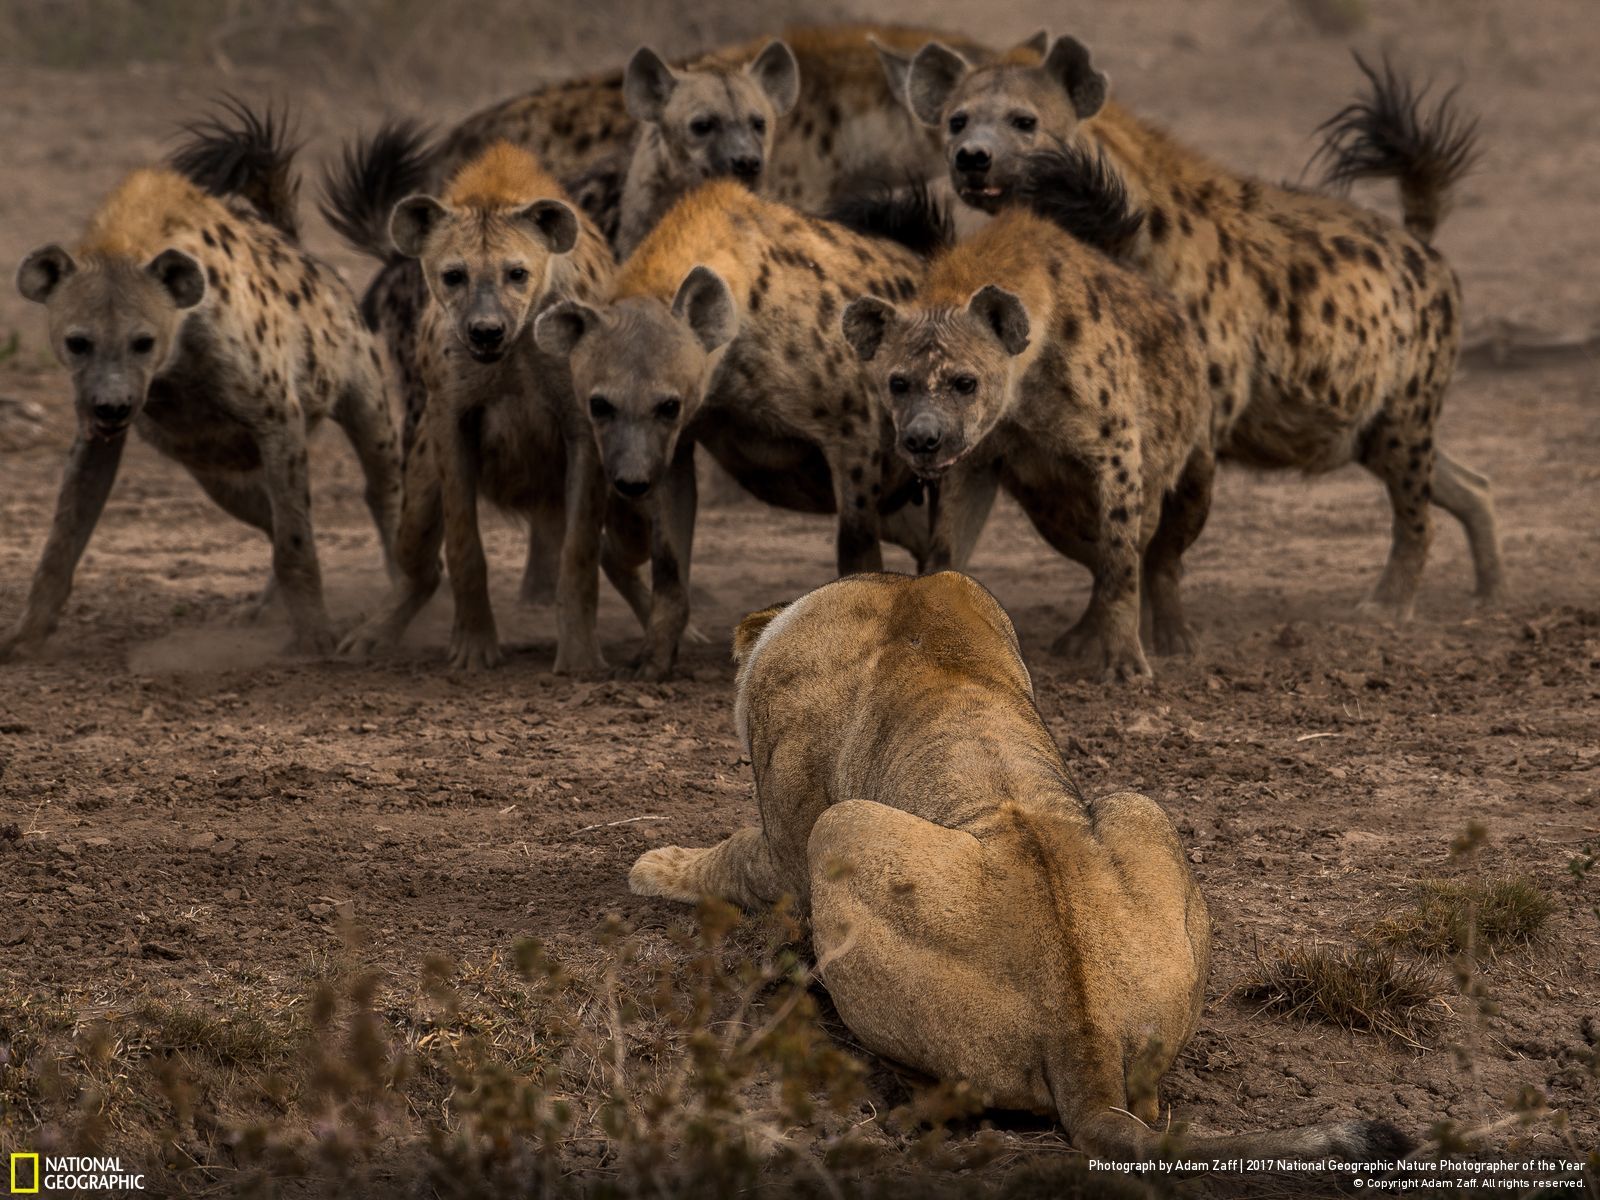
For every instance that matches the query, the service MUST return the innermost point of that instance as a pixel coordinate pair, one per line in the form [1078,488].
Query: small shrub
[1477,917]
[1363,990]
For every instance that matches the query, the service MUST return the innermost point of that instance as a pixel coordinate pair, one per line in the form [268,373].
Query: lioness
[974,916]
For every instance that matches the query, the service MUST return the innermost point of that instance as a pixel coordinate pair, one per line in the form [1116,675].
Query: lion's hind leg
[915,948]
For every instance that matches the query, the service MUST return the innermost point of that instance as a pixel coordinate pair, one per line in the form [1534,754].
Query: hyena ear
[751,628]
[1004,315]
[778,73]
[554,222]
[647,86]
[42,272]
[180,275]
[934,74]
[1068,65]
[562,326]
[1035,45]
[705,304]
[865,322]
[413,219]
[896,68]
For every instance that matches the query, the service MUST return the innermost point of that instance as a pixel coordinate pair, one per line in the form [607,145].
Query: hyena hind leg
[1467,496]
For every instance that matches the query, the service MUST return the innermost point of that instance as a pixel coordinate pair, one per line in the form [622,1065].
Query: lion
[974,916]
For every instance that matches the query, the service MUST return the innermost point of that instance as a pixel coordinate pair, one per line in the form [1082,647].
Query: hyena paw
[664,872]
[316,642]
[474,650]
[587,661]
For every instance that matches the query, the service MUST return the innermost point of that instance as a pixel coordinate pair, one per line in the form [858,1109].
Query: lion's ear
[751,628]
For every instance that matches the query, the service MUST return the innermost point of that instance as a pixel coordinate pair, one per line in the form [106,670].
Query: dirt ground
[191,803]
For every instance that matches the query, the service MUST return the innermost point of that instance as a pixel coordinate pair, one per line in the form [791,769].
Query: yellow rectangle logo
[16,1186]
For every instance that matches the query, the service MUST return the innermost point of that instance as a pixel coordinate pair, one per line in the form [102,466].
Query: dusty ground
[190,802]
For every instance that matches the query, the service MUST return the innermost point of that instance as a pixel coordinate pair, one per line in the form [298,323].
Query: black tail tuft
[1388,135]
[1385,1141]
[238,151]
[1081,192]
[373,175]
[908,215]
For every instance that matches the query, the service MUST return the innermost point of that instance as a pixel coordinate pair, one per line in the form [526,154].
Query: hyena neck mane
[718,225]
[151,210]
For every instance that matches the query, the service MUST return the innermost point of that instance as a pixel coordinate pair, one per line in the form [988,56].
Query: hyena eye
[701,126]
[965,384]
[601,409]
[454,277]
[517,274]
[143,344]
[759,124]
[1024,124]
[669,409]
[79,345]
[958,122]
[899,385]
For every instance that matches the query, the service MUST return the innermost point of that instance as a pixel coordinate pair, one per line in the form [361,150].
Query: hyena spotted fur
[1032,353]
[723,329]
[1329,333]
[797,118]
[195,319]
[499,420]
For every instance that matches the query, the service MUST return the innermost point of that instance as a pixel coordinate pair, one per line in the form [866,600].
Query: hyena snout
[746,167]
[923,435]
[973,160]
[486,334]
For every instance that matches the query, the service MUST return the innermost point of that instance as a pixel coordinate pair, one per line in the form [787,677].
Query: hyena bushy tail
[373,174]
[238,151]
[1079,190]
[1390,135]
[1117,1135]
[908,215]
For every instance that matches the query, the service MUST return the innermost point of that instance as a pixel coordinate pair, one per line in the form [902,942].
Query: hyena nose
[632,488]
[976,161]
[747,166]
[486,335]
[112,411]
[922,435]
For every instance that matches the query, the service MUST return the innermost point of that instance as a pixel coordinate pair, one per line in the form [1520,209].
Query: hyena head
[992,117]
[946,375]
[711,121]
[487,268]
[640,368]
[114,323]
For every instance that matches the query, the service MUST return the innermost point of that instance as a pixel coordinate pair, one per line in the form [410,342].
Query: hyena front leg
[417,543]
[286,474]
[671,547]
[1107,635]
[91,470]
[1183,515]
[858,544]
[578,586]
[474,640]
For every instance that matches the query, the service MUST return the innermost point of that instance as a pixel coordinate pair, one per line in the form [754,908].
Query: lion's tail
[1388,135]
[1115,1135]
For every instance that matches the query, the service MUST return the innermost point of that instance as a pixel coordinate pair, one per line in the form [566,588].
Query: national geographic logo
[32,1174]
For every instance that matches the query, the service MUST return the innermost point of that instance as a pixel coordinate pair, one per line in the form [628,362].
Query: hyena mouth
[486,357]
[986,196]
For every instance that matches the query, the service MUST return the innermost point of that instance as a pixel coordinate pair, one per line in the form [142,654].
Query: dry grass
[1363,990]
[1477,917]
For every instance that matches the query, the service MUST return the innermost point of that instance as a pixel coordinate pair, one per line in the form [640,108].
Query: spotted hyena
[196,319]
[1029,351]
[722,329]
[1329,334]
[500,420]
